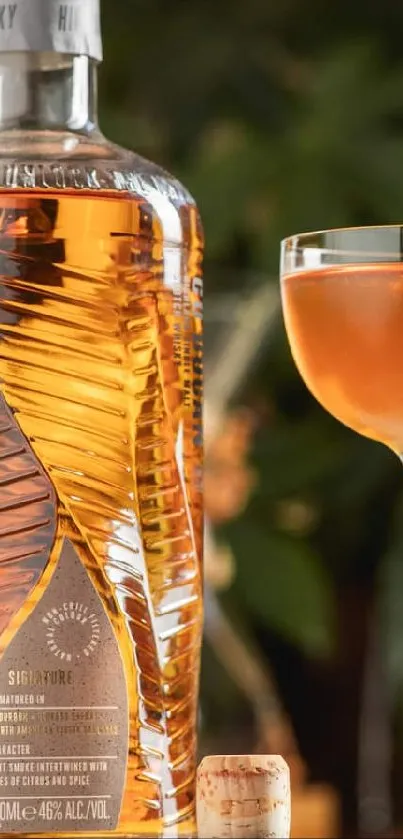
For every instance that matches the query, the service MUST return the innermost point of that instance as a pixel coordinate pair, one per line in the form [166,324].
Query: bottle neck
[42,91]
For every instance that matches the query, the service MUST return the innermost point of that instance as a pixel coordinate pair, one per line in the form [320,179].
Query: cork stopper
[243,796]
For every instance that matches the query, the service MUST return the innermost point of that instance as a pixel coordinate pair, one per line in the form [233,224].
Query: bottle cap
[52,26]
[243,796]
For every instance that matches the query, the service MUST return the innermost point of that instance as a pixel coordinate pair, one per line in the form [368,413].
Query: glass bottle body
[101,380]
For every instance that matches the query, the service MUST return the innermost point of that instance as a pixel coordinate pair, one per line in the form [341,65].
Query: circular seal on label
[71,630]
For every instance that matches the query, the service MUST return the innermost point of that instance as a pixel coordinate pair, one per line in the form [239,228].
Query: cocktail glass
[342,296]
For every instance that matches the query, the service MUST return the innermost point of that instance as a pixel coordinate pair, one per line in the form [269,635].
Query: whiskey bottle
[100,453]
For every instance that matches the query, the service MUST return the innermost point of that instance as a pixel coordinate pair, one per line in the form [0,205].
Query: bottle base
[185,829]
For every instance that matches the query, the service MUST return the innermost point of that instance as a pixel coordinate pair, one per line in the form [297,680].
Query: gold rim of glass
[341,246]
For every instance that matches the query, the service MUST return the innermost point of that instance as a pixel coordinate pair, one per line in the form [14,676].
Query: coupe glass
[342,296]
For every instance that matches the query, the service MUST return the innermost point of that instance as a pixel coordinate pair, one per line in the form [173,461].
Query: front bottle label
[63,713]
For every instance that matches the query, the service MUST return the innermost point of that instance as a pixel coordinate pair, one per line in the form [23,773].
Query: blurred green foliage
[281,117]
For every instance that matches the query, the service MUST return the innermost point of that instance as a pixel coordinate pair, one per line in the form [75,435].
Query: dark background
[282,117]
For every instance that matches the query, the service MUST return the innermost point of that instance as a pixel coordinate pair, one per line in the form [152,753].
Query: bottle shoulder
[147,173]
[65,160]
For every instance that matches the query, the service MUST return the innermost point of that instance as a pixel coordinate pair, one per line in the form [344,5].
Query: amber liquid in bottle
[345,326]
[100,364]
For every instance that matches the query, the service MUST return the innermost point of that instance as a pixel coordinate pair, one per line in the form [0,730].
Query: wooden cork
[243,796]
